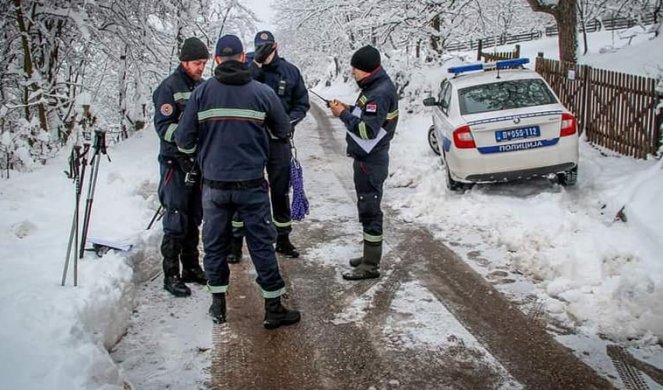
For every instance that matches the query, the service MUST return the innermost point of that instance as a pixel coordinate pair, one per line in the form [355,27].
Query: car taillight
[568,125]
[463,138]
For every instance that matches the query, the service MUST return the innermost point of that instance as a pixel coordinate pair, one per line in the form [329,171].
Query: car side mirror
[429,102]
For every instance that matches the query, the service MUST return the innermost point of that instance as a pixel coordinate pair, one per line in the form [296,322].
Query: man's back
[230,112]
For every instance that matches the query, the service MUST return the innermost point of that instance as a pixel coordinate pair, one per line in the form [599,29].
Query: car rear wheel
[432,140]
[452,184]
[568,178]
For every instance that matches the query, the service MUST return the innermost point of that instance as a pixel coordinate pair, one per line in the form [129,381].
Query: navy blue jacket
[170,99]
[378,102]
[225,122]
[285,79]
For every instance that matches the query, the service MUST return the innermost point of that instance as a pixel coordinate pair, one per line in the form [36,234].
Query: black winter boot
[235,250]
[170,250]
[278,315]
[174,285]
[368,268]
[218,309]
[285,247]
[355,261]
[194,274]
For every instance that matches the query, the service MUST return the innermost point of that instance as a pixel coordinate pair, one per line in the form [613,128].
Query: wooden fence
[496,56]
[617,111]
[608,24]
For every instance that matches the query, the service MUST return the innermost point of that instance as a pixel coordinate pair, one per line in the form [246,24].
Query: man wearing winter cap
[371,124]
[285,79]
[181,199]
[226,121]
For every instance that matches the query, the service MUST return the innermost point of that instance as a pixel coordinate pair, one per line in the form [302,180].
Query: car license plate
[522,133]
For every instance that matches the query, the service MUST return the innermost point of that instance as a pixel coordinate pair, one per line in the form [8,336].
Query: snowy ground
[559,246]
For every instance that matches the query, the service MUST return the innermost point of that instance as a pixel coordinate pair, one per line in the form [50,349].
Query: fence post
[517,50]
[479,50]
[586,84]
[658,132]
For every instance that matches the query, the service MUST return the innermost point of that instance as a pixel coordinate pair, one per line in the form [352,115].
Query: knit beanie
[367,59]
[193,49]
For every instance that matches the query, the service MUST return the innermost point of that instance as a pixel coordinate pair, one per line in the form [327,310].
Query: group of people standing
[219,136]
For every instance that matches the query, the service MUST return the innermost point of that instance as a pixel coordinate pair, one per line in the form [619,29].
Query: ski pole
[157,216]
[99,148]
[77,160]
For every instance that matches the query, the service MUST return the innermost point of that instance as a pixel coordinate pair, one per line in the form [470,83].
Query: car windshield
[504,95]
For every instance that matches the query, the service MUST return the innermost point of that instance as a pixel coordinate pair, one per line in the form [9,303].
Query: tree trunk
[567,21]
[123,94]
[435,39]
[566,17]
[28,69]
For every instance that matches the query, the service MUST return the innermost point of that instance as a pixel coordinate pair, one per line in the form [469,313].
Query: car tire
[432,140]
[452,184]
[568,178]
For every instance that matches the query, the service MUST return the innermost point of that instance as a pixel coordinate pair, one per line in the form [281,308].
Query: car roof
[487,77]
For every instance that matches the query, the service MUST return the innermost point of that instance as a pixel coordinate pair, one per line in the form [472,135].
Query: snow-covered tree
[117,50]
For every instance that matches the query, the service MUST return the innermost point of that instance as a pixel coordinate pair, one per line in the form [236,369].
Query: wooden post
[659,124]
[479,50]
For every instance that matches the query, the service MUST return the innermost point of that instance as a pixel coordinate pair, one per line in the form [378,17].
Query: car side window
[446,98]
[443,87]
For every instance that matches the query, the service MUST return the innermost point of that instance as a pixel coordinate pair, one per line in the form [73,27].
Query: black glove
[262,52]
[186,162]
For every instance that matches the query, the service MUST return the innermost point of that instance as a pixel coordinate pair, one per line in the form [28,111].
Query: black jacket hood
[233,73]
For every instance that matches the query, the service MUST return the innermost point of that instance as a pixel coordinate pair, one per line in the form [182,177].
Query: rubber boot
[194,274]
[285,247]
[174,285]
[355,261]
[218,308]
[235,250]
[170,249]
[278,315]
[368,268]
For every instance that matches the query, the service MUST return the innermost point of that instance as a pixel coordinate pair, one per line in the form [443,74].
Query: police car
[494,123]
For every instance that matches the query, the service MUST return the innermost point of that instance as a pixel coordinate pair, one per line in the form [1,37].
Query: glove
[262,52]
[186,162]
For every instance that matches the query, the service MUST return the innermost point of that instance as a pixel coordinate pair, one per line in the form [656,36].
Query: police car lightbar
[502,64]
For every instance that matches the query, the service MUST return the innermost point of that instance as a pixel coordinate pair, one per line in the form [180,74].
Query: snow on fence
[496,56]
[618,111]
[618,23]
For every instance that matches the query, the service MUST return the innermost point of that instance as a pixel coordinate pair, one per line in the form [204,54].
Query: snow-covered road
[431,318]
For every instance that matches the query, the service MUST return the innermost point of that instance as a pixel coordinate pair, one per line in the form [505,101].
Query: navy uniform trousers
[183,214]
[251,203]
[369,176]
[278,174]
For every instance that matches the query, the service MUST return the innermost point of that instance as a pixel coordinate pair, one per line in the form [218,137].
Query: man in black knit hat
[179,188]
[370,125]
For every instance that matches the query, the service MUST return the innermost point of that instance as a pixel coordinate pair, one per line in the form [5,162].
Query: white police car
[493,123]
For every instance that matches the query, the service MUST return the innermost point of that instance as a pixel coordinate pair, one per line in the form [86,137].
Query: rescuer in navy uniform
[225,122]
[285,79]
[181,200]
[374,117]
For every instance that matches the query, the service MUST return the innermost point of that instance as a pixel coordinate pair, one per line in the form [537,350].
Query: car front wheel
[432,140]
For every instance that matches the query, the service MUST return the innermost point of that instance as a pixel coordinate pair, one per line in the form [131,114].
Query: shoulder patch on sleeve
[372,108]
[166,109]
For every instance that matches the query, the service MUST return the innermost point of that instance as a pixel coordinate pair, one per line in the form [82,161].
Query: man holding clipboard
[370,126]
